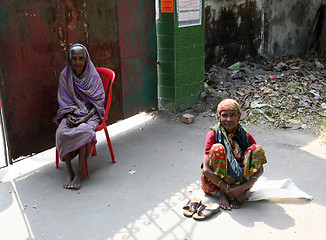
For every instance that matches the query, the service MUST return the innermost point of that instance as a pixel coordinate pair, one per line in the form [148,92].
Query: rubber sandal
[191,207]
[205,212]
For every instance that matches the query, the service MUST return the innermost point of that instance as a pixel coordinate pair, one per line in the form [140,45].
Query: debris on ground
[289,92]
[188,118]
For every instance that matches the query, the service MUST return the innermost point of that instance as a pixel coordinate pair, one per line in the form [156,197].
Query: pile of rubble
[289,92]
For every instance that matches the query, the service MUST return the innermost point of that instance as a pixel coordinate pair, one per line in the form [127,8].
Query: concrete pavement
[166,155]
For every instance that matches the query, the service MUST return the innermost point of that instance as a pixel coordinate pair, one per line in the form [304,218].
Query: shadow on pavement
[166,155]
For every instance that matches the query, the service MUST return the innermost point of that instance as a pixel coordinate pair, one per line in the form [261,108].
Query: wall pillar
[181,55]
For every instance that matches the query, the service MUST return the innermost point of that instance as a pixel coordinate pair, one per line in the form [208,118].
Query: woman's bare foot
[223,201]
[239,201]
[69,179]
[76,183]
[236,204]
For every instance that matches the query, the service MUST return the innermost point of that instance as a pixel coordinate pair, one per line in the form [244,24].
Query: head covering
[76,47]
[228,104]
[79,94]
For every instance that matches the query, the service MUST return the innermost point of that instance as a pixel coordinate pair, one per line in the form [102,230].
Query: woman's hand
[73,121]
[235,190]
[70,120]
[80,120]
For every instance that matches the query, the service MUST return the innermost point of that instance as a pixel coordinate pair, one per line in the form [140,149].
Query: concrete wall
[290,26]
[241,29]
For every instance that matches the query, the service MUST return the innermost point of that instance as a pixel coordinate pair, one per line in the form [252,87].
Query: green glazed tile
[167,80]
[165,54]
[166,67]
[166,92]
[165,41]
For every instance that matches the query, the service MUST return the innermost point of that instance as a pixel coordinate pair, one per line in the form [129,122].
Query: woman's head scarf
[77,47]
[78,94]
[228,104]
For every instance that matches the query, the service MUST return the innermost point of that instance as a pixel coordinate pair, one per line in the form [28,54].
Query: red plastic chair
[107,75]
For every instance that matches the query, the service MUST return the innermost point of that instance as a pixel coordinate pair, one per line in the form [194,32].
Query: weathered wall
[289,26]
[137,33]
[233,30]
[34,38]
[237,30]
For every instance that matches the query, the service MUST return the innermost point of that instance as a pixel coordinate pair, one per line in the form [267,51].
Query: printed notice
[189,12]
[167,6]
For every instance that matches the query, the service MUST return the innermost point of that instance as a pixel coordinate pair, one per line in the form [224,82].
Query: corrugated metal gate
[34,37]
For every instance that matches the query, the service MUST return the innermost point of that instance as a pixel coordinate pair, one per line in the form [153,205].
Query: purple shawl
[79,95]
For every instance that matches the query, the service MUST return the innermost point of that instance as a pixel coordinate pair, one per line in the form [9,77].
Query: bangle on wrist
[227,187]
[218,185]
[254,178]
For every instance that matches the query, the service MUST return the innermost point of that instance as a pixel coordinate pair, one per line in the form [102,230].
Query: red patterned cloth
[253,159]
[228,104]
[211,136]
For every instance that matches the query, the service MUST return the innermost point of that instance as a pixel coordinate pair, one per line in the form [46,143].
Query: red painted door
[34,37]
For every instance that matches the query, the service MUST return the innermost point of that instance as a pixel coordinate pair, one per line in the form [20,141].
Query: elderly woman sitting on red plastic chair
[80,97]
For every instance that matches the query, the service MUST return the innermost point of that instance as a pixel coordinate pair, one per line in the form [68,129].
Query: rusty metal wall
[34,36]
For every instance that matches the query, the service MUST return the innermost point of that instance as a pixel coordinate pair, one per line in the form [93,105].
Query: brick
[188,118]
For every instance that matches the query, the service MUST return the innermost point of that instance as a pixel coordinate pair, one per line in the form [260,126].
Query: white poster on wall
[189,12]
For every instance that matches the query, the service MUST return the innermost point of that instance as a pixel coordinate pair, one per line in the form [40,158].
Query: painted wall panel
[138,55]
[34,36]
[30,61]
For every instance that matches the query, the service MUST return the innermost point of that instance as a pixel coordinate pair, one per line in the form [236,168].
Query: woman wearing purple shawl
[80,97]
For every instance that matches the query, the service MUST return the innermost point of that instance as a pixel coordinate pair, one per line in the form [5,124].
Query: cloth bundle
[275,189]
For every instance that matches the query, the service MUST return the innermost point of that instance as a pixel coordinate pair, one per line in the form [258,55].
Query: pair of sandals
[198,211]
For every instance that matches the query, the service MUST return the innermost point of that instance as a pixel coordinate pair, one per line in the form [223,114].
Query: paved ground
[166,156]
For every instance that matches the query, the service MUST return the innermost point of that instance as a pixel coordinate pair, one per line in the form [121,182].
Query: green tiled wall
[181,62]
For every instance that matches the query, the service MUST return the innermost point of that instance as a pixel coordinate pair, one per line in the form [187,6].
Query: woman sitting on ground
[80,97]
[233,161]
